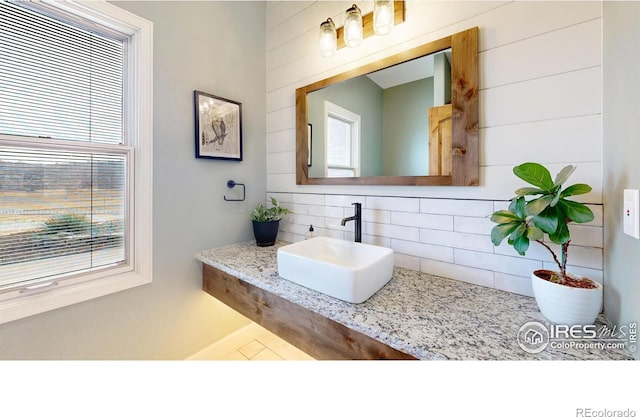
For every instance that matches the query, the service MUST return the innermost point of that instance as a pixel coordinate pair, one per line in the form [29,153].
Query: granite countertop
[423,315]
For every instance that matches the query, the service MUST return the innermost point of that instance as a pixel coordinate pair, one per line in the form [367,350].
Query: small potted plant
[266,222]
[544,209]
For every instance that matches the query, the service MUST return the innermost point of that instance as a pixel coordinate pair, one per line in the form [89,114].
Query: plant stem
[555,258]
[565,254]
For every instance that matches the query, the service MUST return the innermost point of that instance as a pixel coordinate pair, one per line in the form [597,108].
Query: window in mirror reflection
[342,131]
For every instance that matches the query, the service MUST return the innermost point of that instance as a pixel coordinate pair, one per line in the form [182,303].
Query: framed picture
[218,127]
[309,143]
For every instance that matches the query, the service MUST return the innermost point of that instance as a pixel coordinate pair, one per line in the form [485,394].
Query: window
[342,131]
[75,154]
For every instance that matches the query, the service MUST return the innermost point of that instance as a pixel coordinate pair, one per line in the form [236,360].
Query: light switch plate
[631,214]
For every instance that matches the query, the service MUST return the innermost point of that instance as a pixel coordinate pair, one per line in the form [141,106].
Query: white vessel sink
[350,271]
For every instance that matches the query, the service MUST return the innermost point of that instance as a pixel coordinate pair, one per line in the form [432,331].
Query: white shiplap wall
[540,100]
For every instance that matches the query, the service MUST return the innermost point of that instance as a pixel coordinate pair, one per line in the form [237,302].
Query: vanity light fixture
[382,16]
[386,14]
[353,26]
[328,38]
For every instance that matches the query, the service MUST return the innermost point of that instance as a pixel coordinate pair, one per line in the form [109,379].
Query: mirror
[409,119]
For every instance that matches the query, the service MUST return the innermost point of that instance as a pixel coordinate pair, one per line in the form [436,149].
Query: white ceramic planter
[567,305]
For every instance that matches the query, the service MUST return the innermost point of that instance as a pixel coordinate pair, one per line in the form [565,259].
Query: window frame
[138,128]
[354,120]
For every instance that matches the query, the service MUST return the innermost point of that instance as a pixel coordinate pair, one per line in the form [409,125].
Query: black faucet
[358,219]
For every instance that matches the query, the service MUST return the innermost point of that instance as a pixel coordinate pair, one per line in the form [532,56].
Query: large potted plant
[266,222]
[545,209]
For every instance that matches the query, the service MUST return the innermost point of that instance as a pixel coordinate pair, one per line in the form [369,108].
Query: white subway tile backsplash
[333,212]
[513,283]
[427,221]
[460,273]
[456,207]
[315,199]
[376,216]
[498,263]
[535,251]
[337,234]
[296,208]
[373,240]
[476,225]
[289,237]
[455,245]
[406,261]
[281,197]
[422,250]
[305,219]
[585,257]
[392,231]
[335,224]
[343,200]
[480,243]
[299,229]
[393,203]
[500,205]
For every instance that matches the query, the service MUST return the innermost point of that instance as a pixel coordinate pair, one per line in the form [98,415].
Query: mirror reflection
[392,122]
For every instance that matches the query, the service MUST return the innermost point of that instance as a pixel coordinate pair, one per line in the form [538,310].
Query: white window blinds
[63,186]
[58,80]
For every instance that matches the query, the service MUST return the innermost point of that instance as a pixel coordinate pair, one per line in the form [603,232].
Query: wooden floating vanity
[414,316]
[320,337]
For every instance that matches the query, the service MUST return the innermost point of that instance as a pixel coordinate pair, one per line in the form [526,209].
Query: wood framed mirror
[447,140]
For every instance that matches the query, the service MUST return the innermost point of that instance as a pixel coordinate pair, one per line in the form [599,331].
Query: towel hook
[231,184]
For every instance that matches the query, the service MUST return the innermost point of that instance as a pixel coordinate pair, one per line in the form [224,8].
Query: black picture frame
[309,144]
[218,127]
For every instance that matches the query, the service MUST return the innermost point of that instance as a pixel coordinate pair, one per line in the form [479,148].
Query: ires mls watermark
[534,337]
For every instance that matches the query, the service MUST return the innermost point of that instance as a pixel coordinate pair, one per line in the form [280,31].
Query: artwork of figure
[218,124]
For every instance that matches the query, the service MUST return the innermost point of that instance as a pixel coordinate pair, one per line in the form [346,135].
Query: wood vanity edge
[318,336]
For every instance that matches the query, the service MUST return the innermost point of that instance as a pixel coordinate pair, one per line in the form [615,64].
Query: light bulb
[383,16]
[353,26]
[328,38]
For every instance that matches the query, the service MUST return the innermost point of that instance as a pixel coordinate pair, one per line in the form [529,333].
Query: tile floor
[251,343]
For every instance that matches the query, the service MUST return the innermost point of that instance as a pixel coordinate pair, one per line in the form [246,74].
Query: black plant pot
[265,232]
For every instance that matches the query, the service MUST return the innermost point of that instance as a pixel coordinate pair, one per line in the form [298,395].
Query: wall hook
[231,184]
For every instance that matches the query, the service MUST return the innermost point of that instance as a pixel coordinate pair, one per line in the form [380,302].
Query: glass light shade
[328,38]
[383,16]
[353,26]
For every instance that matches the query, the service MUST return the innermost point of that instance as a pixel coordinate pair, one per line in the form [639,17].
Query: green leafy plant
[548,211]
[67,223]
[275,212]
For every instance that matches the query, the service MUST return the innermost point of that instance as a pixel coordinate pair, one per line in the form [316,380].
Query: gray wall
[621,157]
[406,128]
[361,96]
[216,47]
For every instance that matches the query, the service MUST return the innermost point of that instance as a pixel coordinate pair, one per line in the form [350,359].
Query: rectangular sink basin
[349,271]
